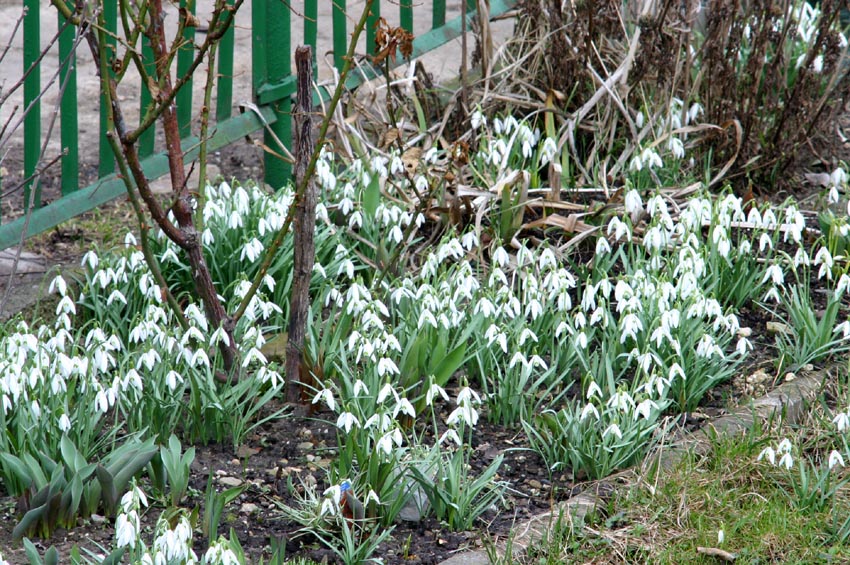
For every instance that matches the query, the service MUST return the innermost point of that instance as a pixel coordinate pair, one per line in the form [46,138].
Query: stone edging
[788,400]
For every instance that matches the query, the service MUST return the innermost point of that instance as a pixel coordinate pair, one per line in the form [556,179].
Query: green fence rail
[273,90]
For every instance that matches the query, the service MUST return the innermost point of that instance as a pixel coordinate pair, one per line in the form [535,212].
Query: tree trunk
[304,225]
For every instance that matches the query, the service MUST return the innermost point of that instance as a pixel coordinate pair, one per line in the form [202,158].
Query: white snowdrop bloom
[59,285]
[835,458]
[593,391]
[645,409]
[386,391]
[127,529]
[630,326]
[433,391]
[768,453]
[547,152]
[347,421]
[477,119]
[64,423]
[346,267]
[494,335]
[784,446]
[743,346]
[619,229]
[774,274]
[772,294]
[614,430]
[639,120]
[327,396]
[602,246]
[825,260]
[622,401]
[581,340]
[801,257]
[450,435]
[694,111]
[676,147]
[386,443]
[843,328]
[786,461]
[589,409]
[404,407]
[172,379]
[500,257]
[633,203]
[387,366]
[842,421]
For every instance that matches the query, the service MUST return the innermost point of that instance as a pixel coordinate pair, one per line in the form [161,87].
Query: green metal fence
[273,89]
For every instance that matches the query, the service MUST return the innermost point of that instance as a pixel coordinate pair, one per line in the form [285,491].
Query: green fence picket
[372,28]
[185,55]
[438,14]
[107,159]
[311,26]
[32,102]
[272,35]
[69,128]
[148,137]
[224,80]
[340,35]
[405,12]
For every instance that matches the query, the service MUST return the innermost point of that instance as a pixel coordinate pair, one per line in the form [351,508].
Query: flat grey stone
[27,263]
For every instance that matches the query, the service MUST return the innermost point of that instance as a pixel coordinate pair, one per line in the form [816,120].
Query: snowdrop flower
[59,285]
[773,293]
[613,429]
[547,152]
[346,421]
[825,260]
[774,274]
[593,391]
[743,346]
[64,423]
[835,458]
[633,203]
[433,391]
[500,257]
[387,441]
[328,397]
[842,421]
[645,409]
[676,147]
[450,435]
[477,119]
[127,529]
[589,409]
[769,454]
[786,461]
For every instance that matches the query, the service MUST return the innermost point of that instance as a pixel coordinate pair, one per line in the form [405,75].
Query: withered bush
[768,76]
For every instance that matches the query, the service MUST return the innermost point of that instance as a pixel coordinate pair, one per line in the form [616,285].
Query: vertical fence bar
[32,86]
[372,27]
[340,37]
[271,65]
[405,11]
[438,15]
[311,25]
[107,159]
[146,140]
[185,54]
[224,86]
[69,133]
